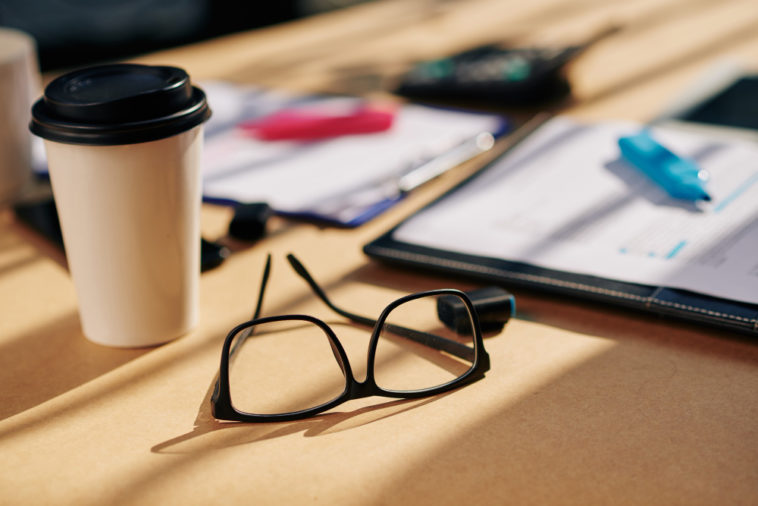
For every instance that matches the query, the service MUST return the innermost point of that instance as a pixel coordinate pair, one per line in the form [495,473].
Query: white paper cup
[19,82]
[129,206]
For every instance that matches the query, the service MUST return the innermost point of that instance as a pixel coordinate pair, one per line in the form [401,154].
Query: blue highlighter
[680,177]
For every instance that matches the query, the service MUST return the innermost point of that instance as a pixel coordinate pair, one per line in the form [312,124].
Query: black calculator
[525,76]
[517,76]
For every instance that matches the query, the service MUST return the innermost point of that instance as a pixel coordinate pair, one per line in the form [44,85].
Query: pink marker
[298,124]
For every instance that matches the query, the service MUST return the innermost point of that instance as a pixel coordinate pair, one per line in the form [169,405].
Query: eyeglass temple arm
[264,282]
[258,305]
[300,269]
[424,338]
[433,341]
[256,314]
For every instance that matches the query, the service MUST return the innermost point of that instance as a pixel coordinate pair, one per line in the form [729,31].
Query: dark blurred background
[76,32]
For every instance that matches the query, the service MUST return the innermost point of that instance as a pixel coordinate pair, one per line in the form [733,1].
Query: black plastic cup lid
[118,104]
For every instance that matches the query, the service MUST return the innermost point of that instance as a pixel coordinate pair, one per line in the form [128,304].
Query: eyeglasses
[290,367]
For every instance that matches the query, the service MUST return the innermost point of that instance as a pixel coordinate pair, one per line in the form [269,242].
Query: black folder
[669,302]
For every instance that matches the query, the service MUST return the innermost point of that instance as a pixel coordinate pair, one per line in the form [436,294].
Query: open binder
[400,246]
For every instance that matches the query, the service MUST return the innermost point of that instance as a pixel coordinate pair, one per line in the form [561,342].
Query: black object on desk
[524,76]
[494,306]
[249,221]
[736,105]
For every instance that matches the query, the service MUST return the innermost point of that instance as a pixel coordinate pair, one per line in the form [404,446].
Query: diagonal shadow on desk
[54,357]
[238,433]
[51,359]
[47,355]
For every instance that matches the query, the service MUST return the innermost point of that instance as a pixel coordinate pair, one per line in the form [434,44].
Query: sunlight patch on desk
[22,297]
[628,422]
[506,385]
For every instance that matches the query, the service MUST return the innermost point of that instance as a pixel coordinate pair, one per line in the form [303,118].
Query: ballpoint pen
[680,177]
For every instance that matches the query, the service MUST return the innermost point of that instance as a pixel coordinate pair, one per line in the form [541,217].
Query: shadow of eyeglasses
[209,434]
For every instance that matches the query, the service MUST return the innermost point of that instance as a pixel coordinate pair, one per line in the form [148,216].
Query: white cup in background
[19,84]
[123,144]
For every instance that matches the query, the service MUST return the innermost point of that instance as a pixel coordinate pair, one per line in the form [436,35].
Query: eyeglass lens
[284,367]
[403,364]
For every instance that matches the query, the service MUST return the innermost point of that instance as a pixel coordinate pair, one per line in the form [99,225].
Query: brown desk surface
[583,405]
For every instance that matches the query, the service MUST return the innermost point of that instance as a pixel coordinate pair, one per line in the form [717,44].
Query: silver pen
[440,164]
[350,204]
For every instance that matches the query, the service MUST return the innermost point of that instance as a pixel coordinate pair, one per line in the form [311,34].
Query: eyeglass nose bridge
[361,389]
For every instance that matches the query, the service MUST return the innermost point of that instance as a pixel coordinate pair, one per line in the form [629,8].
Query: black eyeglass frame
[221,400]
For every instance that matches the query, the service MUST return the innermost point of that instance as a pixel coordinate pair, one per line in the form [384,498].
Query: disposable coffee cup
[19,84]
[123,145]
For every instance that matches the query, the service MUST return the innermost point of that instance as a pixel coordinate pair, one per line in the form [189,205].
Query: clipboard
[652,298]
[345,180]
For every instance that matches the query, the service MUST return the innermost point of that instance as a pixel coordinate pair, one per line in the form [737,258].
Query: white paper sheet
[301,177]
[564,200]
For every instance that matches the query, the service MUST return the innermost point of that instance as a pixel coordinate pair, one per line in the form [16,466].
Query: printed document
[563,199]
[333,177]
